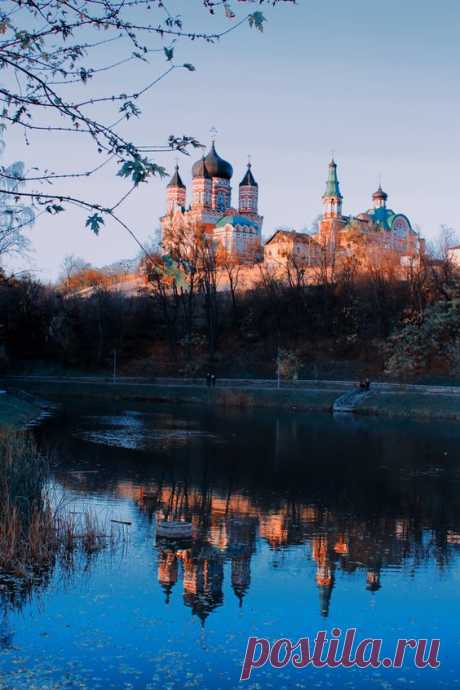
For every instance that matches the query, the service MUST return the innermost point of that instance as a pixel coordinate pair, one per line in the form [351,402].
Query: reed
[35,530]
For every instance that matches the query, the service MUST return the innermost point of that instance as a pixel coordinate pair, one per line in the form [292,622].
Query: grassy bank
[411,405]
[16,412]
[36,531]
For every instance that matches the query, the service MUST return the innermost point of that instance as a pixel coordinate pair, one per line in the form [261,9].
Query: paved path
[270,384]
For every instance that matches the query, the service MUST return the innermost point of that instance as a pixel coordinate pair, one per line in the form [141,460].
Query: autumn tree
[230,267]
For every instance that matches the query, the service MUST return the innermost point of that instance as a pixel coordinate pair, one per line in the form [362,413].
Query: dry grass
[35,531]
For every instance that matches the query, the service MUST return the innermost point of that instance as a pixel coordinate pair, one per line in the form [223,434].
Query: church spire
[332,197]
[249,193]
[248,180]
[176,180]
[332,184]
[175,192]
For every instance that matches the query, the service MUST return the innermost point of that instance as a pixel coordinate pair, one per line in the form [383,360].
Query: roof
[236,220]
[332,183]
[199,169]
[380,194]
[248,180]
[291,235]
[214,165]
[175,180]
[384,217]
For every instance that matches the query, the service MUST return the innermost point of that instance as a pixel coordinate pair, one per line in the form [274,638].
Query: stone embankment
[340,397]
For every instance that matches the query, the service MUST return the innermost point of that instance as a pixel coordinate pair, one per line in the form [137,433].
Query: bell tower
[332,198]
[249,193]
[176,192]
[332,220]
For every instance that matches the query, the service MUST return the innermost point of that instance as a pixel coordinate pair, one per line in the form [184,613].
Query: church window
[220,202]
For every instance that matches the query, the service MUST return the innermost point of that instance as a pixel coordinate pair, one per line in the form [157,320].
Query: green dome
[382,216]
[332,183]
[236,220]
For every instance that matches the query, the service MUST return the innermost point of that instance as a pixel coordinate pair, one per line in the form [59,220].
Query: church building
[373,237]
[236,231]
[390,229]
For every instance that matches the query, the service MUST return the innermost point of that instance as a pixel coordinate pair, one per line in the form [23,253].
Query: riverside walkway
[383,398]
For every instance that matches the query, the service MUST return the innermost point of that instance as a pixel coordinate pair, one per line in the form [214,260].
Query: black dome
[214,164]
[199,169]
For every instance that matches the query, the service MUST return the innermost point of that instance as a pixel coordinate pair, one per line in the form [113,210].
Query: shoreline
[391,400]
[18,411]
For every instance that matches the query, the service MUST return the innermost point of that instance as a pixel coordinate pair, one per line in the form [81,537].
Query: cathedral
[370,237]
[237,231]
[394,229]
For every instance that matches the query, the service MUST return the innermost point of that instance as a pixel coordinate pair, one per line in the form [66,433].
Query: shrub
[427,343]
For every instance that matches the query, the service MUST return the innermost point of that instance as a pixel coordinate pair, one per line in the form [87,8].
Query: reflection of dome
[214,165]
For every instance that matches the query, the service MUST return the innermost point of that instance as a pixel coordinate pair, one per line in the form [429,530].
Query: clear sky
[378,83]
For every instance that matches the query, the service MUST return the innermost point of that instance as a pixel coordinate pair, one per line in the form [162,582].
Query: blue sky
[376,83]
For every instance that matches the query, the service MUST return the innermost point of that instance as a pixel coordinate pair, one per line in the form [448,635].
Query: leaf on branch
[139,56]
[130,109]
[55,208]
[229,13]
[169,52]
[190,67]
[139,169]
[256,20]
[94,222]
[85,74]
[3,26]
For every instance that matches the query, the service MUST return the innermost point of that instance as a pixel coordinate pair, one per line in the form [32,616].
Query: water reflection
[353,496]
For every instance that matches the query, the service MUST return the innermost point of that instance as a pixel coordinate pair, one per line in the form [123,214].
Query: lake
[300,523]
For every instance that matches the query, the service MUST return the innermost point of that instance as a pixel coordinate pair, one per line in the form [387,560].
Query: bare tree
[70,266]
[15,216]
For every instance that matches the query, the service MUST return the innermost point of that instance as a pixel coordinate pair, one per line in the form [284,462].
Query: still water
[300,523]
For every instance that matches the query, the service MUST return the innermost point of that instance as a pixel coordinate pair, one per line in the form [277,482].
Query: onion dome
[176,180]
[380,194]
[248,180]
[199,169]
[215,166]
